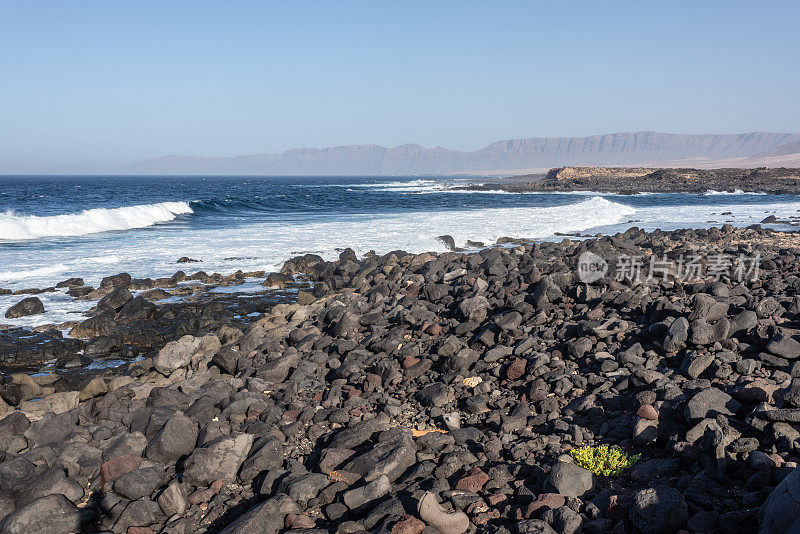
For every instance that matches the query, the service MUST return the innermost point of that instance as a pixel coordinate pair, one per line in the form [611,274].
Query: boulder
[437,394]
[265,518]
[53,514]
[780,513]
[659,510]
[139,483]
[53,481]
[176,354]
[25,307]
[220,459]
[390,457]
[570,480]
[784,346]
[56,403]
[709,403]
[177,438]
[437,517]
[368,493]
[115,300]
[173,499]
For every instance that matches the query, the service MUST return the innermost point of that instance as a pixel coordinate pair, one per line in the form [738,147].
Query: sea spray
[16,227]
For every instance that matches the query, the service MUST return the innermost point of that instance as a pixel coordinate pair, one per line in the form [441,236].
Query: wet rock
[70,282]
[115,300]
[117,280]
[447,241]
[25,307]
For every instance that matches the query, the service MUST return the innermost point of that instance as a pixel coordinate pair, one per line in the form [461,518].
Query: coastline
[633,180]
[469,374]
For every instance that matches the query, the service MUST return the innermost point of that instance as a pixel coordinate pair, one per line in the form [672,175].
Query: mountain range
[513,155]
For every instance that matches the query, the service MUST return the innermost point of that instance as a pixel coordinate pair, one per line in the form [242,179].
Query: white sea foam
[712,192]
[15,227]
[59,308]
[266,244]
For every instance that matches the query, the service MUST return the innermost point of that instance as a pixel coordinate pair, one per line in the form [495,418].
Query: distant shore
[631,180]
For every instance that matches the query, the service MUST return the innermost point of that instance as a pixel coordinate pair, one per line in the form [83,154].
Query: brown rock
[647,411]
[496,498]
[544,501]
[118,467]
[516,369]
[201,496]
[408,525]
[434,329]
[474,481]
[485,517]
[410,361]
[299,521]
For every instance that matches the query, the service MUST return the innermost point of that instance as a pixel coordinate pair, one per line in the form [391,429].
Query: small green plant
[604,460]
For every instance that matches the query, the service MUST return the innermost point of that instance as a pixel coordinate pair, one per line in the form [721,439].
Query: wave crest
[14,227]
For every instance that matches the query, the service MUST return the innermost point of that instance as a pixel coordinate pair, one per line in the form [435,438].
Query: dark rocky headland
[631,180]
[432,393]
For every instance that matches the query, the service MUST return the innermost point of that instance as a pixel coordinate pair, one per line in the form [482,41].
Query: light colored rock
[176,354]
[54,403]
[218,460]
[434,515]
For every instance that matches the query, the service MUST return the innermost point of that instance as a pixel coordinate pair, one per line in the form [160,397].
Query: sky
[89,85]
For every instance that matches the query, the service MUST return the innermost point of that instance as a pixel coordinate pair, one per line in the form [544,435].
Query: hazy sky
[91,85]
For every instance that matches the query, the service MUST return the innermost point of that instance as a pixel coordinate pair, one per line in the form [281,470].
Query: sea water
[56,227]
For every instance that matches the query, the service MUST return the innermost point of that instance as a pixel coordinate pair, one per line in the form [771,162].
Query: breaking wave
[15,227]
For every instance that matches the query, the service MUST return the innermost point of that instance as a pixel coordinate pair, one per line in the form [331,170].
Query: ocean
[56,227]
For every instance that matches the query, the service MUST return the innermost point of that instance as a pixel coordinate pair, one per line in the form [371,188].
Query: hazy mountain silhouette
[538,152]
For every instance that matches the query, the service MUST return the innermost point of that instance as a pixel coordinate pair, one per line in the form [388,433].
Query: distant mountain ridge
[625,148]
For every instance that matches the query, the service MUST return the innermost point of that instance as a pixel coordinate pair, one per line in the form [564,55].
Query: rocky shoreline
[632,180]
[441,393]
[133,317]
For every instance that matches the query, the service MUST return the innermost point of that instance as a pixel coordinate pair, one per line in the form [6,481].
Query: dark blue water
[52,228]
[230,198]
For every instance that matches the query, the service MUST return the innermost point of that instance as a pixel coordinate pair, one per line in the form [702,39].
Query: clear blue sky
[89,85]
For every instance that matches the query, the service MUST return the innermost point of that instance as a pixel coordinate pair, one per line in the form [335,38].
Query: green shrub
[604,460]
